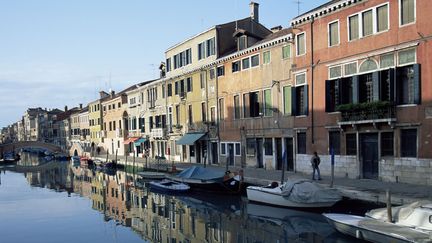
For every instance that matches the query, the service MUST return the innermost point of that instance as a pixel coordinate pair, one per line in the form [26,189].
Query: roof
[67,114]
[274,35]
[323,10]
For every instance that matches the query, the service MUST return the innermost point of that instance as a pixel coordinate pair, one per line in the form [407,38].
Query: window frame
[376,18]
[416,144]
[297,46]
[290,54]
[264,56]
[248,61]
[258,58]
[238,66]
[329,34]
[400,14]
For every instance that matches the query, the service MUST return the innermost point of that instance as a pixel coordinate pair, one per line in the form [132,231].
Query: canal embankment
[357,189]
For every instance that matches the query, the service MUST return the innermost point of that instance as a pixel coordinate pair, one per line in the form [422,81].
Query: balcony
[373,112]
[157,132]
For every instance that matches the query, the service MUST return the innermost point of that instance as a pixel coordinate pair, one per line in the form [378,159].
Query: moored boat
[374,230]
[210,179]
[169,186]
[295,194]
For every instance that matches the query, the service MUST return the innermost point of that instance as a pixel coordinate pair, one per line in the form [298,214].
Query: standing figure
[315,161]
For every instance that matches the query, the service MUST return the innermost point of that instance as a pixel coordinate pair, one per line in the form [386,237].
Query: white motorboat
[151,175]
[169,186]
[374,230]
[295,194]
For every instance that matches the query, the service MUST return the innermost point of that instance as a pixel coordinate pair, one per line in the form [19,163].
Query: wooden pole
[389,206]
[115,161]
[106,161]
[332,166]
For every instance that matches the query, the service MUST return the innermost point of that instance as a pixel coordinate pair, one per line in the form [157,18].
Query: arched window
[368,65]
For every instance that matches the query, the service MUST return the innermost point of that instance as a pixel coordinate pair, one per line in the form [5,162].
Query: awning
[140,141]
[190,138]
[130,140]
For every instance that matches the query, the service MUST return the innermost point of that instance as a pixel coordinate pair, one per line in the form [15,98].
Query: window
[353,22]
[408,141]
[177,107]
[382,18]
[286,52]
[236,107]
[237,149]
[169,90]
[266,57]
[254,61]
[163,91]
[235,66]
[168,64]
[176,88]
[212,73]
[407,56]
[203,112]
[245,63]
[223,148]
[407,11]
[268,109]
[189,84]
[301,142]
[332,95]
[387,144]
[387,60]
[351,144]
[202,79]
[210,44]
[251,104]
[301,44]
[299,96]
[368,65]
[250,146]
[333,33]
[287,100]
[367,20]
[335,72]
[201,50]
[242,42]
[220,71]
[366,88]
[268,146]
[408,85]
[190,115]
[334,142]
[221,109]
[212,114]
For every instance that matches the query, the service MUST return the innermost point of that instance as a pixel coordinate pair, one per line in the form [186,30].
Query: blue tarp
[139,141]
[200,173]
[190,138]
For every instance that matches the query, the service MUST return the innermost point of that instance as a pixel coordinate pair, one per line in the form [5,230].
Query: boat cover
[305,191]
[200,173]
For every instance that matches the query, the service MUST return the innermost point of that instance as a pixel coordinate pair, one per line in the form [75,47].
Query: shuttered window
[387,144]
[408,142]
[287,100]
[351,144]
[301,143]
[266,57]
[408,84]
[268,109]
[286,51]
[301,44]
[236,107]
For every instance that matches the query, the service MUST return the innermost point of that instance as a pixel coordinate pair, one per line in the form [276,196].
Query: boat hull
[272,196]
[169,186]
[379,232]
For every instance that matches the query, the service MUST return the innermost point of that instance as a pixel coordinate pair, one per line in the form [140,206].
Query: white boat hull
[373,230]
[273,196]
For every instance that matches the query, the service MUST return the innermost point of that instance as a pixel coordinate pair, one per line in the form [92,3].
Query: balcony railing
[374,111]
[158,132]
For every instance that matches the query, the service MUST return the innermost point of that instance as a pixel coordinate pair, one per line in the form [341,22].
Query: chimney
[102,94]
[254,11]
[112,93]
[276,28]
[66,108]
[80,106]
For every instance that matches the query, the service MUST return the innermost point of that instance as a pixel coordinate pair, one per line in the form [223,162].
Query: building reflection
[190,218]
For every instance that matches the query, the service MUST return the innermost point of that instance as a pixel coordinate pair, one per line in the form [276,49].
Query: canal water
[59,202]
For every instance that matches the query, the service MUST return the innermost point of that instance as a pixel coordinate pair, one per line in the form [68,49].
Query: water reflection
[187,218]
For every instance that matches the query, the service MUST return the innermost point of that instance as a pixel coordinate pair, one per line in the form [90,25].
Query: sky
[56,53]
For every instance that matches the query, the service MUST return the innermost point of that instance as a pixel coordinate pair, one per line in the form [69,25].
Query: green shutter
[287,100]
[268,103]
[305,100]
[328,98]
[294,101]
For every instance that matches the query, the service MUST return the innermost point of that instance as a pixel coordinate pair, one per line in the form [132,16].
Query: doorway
[289,150]
[259,150]
[278,153]
[369,155]
[214,153]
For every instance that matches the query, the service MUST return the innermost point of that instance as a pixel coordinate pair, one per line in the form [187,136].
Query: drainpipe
[312,81]
[217,112]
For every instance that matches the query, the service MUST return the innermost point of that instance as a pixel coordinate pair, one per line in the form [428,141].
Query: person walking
[315,161]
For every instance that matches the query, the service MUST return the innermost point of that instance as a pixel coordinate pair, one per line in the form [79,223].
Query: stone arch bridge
[9,147]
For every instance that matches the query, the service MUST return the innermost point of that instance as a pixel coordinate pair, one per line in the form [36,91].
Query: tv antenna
[298,2]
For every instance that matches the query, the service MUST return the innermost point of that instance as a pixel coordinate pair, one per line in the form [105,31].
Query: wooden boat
[294,194]
[169,186]
[151,175]
[210,179]
[374,230]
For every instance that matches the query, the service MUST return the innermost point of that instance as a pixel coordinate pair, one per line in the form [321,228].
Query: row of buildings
[349,78]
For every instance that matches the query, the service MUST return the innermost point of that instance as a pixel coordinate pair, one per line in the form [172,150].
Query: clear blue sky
[55,53]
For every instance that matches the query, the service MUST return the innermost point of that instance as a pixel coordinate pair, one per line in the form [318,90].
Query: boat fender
[274,184]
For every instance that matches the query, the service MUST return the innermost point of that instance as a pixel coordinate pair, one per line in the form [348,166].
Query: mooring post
[106,161]
[332,166]
[389,206]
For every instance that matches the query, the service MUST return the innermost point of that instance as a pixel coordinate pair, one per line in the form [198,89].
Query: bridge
[9,147]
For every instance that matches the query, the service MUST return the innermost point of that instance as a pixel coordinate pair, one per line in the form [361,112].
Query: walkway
[363,189]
